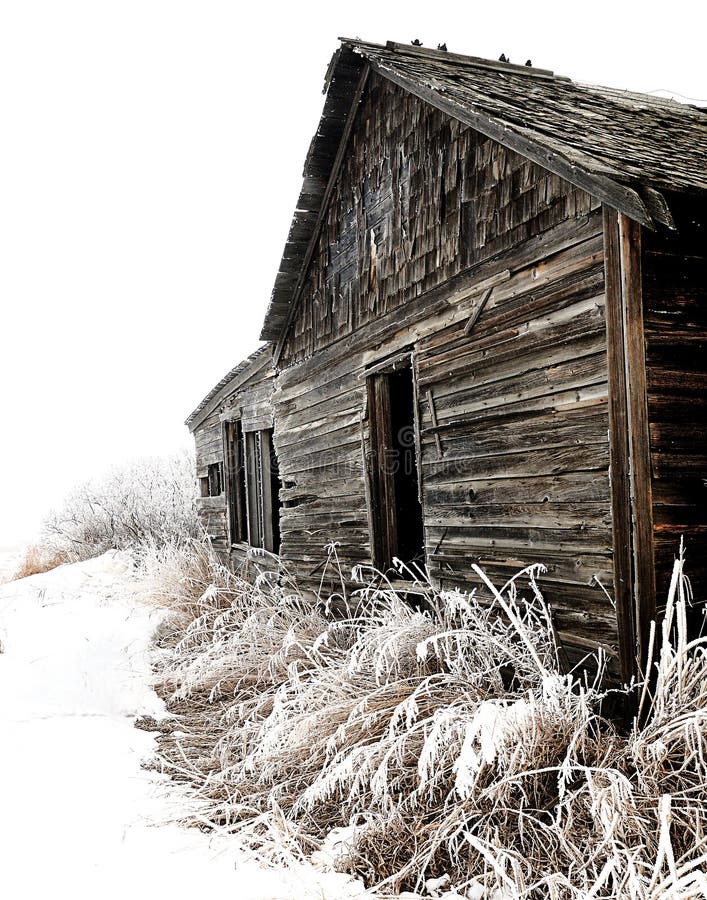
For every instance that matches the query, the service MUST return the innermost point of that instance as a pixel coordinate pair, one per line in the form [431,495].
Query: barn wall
[420,198]
[516,469]
[675,315]
[521,409]
[251,401]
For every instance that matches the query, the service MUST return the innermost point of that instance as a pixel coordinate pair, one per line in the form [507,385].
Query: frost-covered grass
[441,734]
[38,558]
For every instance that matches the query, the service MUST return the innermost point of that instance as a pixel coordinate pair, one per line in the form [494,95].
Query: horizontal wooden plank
[574,487]
[571,515]
[535,337]
[537,429]
[541,463]
[527,382]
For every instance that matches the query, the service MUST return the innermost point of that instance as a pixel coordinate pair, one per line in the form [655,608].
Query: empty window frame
[395,485]
[211,484]
[263,490]
[235,482]
[252,487]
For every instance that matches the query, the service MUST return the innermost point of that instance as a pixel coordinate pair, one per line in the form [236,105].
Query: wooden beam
[476,61]
[629,438]
[398,359]
[657,206]
[252,494]
[366,468]
[385,536]
[435,423]
[365,47]
[418,434]
[619,449]
[266,497]
[638,431]
[474,317]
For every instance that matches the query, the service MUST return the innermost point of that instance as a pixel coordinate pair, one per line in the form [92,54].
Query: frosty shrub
[150,501]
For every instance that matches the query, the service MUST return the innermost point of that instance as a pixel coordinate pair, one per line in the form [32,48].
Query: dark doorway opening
[395,482]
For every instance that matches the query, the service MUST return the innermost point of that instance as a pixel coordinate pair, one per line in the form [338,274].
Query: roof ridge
[447,55]
[515,68]
[651,99]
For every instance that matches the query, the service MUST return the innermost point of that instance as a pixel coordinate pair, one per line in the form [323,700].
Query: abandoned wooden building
[486,343]
[233,428]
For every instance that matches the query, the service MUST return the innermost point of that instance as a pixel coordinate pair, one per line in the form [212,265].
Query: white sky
[150,158]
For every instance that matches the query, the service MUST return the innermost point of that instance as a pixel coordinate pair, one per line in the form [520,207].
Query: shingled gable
[624,148]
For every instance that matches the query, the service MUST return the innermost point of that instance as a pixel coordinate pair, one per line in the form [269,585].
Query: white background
[150,159]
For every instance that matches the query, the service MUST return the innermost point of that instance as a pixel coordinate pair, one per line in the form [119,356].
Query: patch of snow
[434,885]
[79,815]
[335,846]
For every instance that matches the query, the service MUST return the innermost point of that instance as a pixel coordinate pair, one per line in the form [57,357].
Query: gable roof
[230,382]
[622,147]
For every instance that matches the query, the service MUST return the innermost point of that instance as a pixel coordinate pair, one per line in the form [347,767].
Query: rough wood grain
[619,450]
[639,437]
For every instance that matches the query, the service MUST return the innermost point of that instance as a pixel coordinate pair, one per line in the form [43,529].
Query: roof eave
[620,196]
[232,381]
[341,85]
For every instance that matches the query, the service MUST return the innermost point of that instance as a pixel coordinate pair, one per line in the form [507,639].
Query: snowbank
[79,814]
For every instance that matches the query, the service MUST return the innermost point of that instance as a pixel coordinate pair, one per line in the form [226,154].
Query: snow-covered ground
[79,817]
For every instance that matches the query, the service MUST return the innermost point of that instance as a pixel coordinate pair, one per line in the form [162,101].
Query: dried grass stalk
[38,559]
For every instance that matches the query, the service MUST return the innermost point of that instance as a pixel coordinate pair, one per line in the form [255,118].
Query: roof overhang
[237,378]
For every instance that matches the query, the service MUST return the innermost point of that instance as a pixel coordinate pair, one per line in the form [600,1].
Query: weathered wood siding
[420,197]
[251,402]
[515,471]
[675,316]
[520,471]
[208,439]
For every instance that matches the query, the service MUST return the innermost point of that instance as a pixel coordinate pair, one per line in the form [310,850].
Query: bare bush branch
[149,501]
